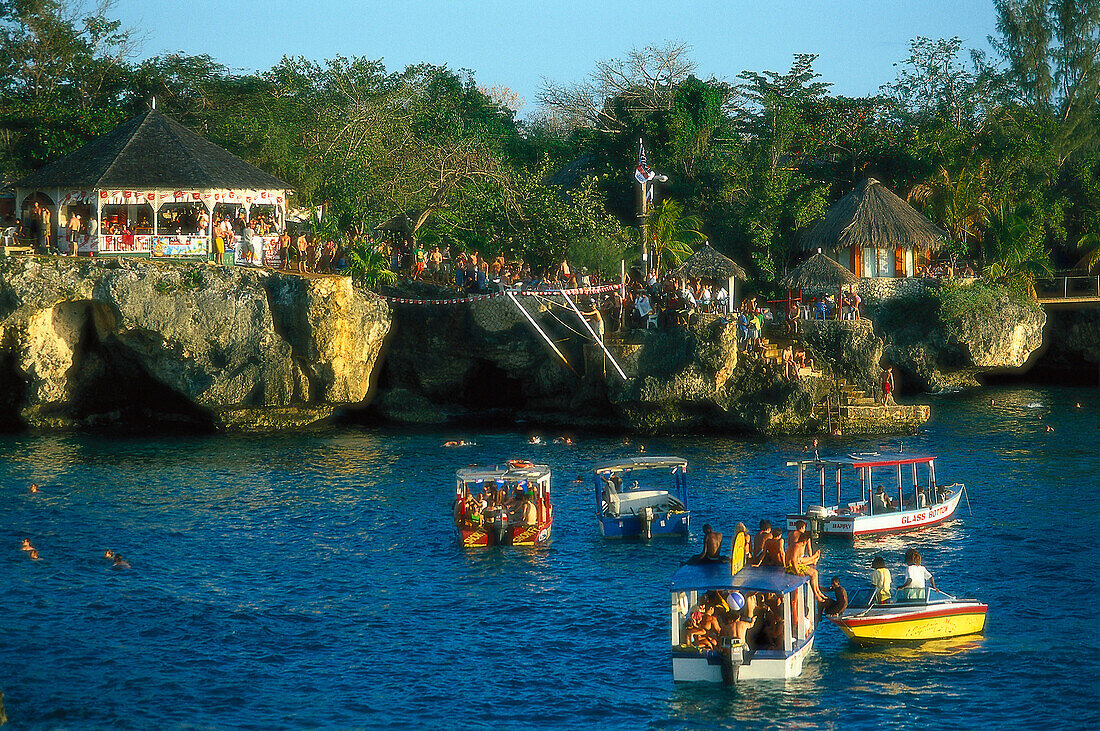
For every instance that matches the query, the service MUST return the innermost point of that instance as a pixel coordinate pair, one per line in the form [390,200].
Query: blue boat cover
[716,575]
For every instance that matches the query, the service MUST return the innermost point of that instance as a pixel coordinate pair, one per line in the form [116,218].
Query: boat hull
[514,535]
[763,665]
[854,526]
[630,526]
[885,625]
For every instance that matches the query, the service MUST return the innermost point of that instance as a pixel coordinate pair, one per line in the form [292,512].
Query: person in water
[120,562]
[108,553]
[880,579]
[837,604]
[916,576]
[800,561]
[34,488]
[27,545]
[34,554]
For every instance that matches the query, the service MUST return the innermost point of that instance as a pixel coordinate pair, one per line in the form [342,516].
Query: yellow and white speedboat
[915,615]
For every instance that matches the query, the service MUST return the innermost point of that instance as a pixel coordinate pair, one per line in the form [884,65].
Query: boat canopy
[864,459]
[507,473]
[715,575]
[641,463]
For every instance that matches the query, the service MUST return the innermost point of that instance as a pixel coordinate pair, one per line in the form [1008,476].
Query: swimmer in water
[1077,405]
[564,440]
[108,553]
[27,545]
[579,480]
[34,488]
[34,554]
[641,449]
[120,562]
[1050,428]
[535,439]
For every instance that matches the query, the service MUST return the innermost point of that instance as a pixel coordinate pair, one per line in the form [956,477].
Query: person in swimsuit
[798,559]
[712,545]
[762,535]
[120,562]
[27,545]
[772,551]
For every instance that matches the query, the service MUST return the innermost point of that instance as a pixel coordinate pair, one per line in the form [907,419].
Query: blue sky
[517,43]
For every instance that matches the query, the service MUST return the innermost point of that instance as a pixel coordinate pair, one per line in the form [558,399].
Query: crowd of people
[495,503]
[755,618]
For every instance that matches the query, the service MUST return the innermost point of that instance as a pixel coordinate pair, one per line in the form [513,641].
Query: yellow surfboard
[737,551]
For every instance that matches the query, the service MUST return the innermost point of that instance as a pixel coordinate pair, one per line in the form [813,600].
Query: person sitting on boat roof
[880,578]
[916,576]
[762,535]
[837,604]
[798,559]
[712,547]
[772,551]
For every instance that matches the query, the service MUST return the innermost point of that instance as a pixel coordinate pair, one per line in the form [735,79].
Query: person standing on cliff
[888,388]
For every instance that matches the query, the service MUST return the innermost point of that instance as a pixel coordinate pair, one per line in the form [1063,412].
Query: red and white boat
[488,502]
[912,501]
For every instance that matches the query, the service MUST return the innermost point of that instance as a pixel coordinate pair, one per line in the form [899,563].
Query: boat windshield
[912,596]
[861,598]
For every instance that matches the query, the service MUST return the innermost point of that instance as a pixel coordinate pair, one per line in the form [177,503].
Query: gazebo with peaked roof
[874,233]
[708,263]
[146,169]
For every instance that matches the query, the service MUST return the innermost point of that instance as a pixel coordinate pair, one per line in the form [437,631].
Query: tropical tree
[960,203]
[368,266]
[672,234]
[1014,248]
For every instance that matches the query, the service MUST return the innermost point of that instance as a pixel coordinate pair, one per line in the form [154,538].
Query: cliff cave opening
[488,387]
[109,386]
[13,393]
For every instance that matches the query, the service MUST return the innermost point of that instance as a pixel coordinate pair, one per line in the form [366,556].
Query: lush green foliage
[1001,152]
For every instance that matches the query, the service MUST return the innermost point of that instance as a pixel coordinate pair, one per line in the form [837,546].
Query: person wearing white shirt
[916,576]
[642,307]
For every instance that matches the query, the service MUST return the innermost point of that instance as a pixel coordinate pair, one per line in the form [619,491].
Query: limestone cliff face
[484,361]
[941,353]
[133,341]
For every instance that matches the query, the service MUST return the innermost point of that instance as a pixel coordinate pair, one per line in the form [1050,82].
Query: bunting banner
[125,244]
[126,197]
[524,293]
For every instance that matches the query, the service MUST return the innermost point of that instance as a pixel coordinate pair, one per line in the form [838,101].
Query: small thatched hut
[708,263]
[818,273]
[873,233]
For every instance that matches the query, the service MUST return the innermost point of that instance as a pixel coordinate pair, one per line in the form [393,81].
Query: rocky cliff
[139,343]
[946,339]
[483,362]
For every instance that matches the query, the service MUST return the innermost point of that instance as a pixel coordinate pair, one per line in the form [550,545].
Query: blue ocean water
[313,581]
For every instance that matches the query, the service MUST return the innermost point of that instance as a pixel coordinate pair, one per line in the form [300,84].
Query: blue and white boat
[631,504]
[777,611]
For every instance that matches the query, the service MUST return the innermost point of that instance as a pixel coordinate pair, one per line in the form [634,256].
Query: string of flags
[518,293]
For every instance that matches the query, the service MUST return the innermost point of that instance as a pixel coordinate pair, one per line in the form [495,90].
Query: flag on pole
[642,172]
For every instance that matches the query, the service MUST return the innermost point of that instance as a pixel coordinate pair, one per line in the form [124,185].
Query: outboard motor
[646,518]
[733,656]
[500,526]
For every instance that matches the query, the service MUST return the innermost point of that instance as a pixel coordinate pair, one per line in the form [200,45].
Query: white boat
[919,504]
[734,662]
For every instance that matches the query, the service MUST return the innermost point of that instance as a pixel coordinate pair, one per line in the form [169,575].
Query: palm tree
[672,235]
[961,205]
[368,266]
[1089,245]
[1015,248]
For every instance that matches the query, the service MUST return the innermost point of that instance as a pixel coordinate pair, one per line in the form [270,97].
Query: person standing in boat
[916,576]
[880,578]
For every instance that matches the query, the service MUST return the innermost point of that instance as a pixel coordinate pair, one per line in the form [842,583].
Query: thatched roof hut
[874,232]
[708,263]
[819,272]
[151,151]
